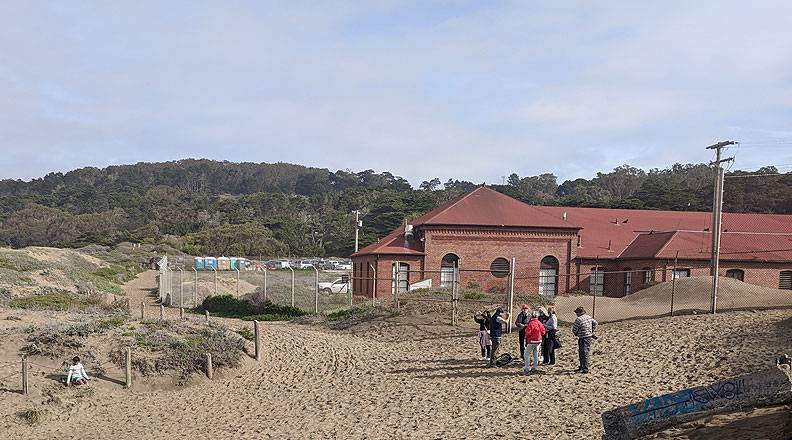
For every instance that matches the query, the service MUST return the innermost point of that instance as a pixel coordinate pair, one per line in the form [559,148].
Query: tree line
[223,208]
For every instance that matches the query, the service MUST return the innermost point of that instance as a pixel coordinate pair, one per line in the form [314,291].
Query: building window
[449,268]
[548,276]
[647,275]
[627,281]
[597,281]
[404,277]
[737,274]
[500,267]
[681,273]
[785,280]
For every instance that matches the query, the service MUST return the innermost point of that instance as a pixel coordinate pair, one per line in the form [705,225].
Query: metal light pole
[358,225]
[292,285]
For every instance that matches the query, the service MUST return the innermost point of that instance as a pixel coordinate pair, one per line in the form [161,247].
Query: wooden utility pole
[717,211]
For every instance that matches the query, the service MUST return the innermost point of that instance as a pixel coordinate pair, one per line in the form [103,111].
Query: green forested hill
[211,207]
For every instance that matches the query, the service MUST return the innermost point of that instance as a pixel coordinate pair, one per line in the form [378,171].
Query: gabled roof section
[647,245]
[487,207]
[393,244]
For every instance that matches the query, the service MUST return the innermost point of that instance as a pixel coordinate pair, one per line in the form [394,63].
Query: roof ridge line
[452,203]
[665,245]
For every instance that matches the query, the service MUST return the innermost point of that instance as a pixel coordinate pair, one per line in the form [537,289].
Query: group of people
[538,335]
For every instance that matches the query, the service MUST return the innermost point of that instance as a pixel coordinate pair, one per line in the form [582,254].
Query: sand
[402,378]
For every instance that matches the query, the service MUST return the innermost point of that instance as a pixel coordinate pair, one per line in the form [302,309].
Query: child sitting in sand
[77,373]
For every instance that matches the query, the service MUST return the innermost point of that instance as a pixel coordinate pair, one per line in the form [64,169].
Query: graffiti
[725,390]
[686,401]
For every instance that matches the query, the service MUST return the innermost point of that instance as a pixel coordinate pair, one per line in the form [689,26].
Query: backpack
[504,360]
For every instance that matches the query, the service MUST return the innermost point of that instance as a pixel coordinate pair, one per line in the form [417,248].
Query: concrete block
[767,387]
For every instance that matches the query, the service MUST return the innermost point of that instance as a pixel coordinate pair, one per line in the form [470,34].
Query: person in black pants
[483,320]
[498,320]
[520,323]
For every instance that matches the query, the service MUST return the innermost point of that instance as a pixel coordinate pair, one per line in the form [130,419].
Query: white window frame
[548,280]
[627,282]
[597,281]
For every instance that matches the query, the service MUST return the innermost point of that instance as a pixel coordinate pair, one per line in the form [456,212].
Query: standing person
[483,320]
[583,328]
[77,373]
[496,331]
[520,323]
[534,331]
[551,325]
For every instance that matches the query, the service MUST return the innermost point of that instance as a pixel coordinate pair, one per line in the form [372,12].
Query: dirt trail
[144,289]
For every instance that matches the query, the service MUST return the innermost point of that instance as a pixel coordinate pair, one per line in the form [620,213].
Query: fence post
[142,310]
[374,291]
[181,313]
[170,286]
[24,376]
[237,282]
[594,294]
[396,285]
[128,356]
[351,287]
[209,370]
[316,291]
[292,285]
[195,290]
[181,287]
[257,333]
[207,315]
[673,283]
[162,312]
[215,280]
[511,293]
[265,283]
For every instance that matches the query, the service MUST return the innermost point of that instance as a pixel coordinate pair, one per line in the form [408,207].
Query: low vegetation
[177,346]
[32,416]
[56,340]
[247,309]
[55,300]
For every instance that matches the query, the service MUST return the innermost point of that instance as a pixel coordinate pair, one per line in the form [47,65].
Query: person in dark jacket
[498,320]
[522,320]
[483,320]
[551,325]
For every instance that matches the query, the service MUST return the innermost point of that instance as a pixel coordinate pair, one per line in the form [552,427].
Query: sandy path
[425,383]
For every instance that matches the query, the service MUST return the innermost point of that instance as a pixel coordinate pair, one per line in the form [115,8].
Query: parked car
[337,286]
[303,264]
[342,265]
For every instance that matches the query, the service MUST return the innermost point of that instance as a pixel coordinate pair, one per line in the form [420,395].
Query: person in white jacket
[77,373]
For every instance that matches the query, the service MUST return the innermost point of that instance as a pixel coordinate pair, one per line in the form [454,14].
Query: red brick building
[557,249]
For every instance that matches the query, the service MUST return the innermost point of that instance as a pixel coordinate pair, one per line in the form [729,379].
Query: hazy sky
[467,89]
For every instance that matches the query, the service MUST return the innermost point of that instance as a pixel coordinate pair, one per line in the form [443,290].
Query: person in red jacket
[533,340]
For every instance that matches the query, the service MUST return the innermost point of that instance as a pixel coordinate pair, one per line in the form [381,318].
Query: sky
[470,90]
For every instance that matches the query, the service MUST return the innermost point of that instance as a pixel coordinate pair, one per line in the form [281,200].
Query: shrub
[247,333]
[32,416]
[497,289]
[474,295]
[180,347]
[472,285]
[228,306]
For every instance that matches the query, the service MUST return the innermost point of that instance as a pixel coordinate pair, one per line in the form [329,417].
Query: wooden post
[24,376]
[316,291]
[162,312]
[257,332]
[510,299]
[292,285]
[128,353]
[215,281]
[195,291]
[209,370]
[237,282]
[265,283]
[351,288]
[396,283]
[207,316]
[673,282]
[142,310]
[181,313]
[374,290]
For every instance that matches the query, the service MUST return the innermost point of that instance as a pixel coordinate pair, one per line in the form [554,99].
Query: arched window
[737,274]
[597,280]
[404,277]
[648,275]
[785,280]
[548,276]
[449,268]
[627,281]
[500,267]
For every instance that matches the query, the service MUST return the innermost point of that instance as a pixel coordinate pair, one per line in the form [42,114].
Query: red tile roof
[619,227]
[393,244]
[610,233]
[487,207]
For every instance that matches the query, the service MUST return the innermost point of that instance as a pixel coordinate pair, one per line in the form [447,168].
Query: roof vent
[565,215]
[408,232]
